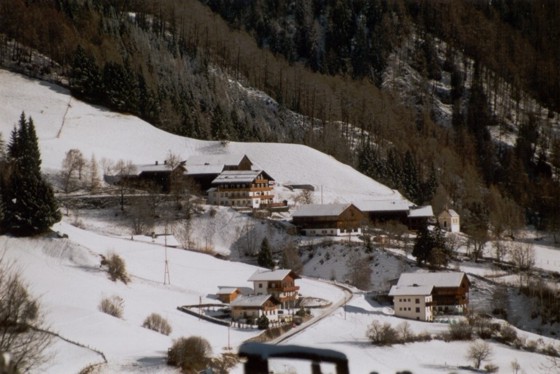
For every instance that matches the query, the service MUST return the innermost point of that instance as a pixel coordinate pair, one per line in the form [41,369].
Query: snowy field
[65,273]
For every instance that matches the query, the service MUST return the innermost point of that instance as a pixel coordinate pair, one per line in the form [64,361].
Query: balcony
[283,289]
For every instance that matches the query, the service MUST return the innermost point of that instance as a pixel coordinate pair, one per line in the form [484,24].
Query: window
[260,285]
[417,310]
[417,301]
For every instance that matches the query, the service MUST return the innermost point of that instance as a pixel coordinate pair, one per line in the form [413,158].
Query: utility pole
[166,276]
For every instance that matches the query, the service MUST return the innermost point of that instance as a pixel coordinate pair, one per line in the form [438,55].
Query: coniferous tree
[28,200]
[264,257]
[85,77]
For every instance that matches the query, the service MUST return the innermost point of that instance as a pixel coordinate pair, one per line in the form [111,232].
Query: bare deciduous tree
[479,351]
[290,257]
[359,271]
[72,170]
[123,169]
[305,197]
[94,180]
[523,256]
[22,327]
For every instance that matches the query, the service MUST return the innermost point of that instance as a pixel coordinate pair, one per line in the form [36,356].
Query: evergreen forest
[362,80]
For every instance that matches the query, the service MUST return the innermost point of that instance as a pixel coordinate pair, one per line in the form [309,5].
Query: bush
[491,368]
[460,331]
[405,332]
[531,346]
[115,267]
[190,354]
[262,322]
[224,363]
[423,337]
[157,323]
[382,334]
[508,334]
[22,324]
[113,306]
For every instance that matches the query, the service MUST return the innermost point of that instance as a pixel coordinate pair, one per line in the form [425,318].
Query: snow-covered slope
[63,123]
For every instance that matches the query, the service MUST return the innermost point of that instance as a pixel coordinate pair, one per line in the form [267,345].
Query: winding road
[348,294]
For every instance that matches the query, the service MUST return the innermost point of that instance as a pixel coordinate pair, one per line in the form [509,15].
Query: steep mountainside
[451,103]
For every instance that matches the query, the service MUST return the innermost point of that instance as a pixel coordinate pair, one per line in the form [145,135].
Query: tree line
[170,63]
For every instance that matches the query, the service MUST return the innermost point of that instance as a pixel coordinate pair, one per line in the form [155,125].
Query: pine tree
[28,200]
[423,245]
[85,77]
[264,257]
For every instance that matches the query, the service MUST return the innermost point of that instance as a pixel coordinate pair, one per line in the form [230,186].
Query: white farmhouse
[413,302]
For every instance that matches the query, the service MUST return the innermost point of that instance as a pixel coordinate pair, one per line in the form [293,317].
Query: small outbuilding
[449,220]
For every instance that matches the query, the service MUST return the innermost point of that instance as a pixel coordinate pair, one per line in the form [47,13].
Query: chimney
[156,162]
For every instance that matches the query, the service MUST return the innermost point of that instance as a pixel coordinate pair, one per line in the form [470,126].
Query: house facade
[449,220]
[254,306]
[450,293]
[278,283]
[159,175]
[413,302]
[328,219]
[242,188]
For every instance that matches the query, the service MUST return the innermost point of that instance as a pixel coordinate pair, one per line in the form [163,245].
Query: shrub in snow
[382,334]
[491,368]
[405,332]
[225,362]
[262,322]
[115,267]
[508,334]
[113,306]
[157,323]
[460,331]
[190,354]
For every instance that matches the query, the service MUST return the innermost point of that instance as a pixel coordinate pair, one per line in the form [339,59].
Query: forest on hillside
[189,67]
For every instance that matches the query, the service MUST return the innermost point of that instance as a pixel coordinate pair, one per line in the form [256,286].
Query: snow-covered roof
[237,176]
[204,169]
[138,169]
[226,290]
[314,210]
[452,213]
[229,159]
[422,211]
[272,275]
[250,301]
[439,279]
[411,291]
[383,205]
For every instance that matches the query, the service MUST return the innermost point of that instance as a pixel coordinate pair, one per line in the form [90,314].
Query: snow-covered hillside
[63,123]
[66,276]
